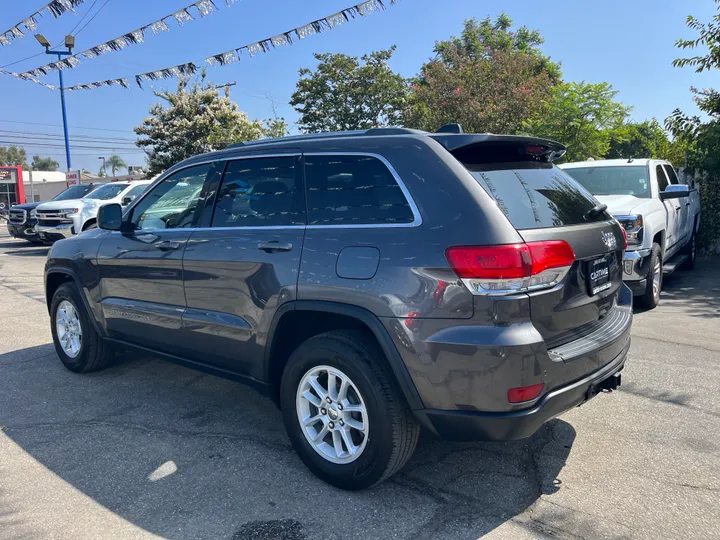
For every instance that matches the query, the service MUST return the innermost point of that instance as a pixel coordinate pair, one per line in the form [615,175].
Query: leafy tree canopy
[13,155]
[44,164]
[346,92]
[479,40]
[644,140]
[581,116]
[194,119]
[115,162]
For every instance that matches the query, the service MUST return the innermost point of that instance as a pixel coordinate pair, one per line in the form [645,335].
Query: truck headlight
[71,212]
[633,226]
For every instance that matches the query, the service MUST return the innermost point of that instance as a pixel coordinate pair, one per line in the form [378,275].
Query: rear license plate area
[598,275]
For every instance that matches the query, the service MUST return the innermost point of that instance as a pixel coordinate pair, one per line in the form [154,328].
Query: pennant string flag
[56,8]
[203,7]
[368,7]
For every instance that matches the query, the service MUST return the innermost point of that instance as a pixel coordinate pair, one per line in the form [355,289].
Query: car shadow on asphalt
[696,292]
[184,454]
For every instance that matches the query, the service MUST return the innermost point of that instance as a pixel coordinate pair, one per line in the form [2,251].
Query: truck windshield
[74,192]
[108,191]
[624,180]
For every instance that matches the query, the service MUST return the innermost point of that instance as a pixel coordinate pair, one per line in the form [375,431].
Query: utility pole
[69,44]
[103,165]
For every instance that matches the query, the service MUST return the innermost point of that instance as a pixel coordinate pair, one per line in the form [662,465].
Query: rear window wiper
[595,211]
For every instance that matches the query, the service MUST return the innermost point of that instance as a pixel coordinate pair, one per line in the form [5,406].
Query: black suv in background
[21,221]
[370,282]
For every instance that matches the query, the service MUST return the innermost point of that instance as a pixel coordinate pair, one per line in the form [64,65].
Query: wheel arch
[54,278]
[329,316]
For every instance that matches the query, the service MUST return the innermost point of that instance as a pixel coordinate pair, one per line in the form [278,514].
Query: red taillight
[509,261]
[524,393]
[624,236]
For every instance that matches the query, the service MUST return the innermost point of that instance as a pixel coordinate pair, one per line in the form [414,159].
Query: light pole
[69,43]
[103,165]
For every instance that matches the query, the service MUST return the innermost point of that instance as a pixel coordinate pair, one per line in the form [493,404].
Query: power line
[60,125]
[60,135]
[83,17]
[50,145]
[91,18]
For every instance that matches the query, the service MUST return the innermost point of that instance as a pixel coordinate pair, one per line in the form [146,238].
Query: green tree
[115,162]
[480,39]
[13,155]
[645,140]
[44,164]
[708,37]
[194,119]
[581,116]
[491,78]
[344,93]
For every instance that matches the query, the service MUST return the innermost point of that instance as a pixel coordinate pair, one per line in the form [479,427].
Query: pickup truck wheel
[651,297]
[691,252]
[76,341]
[343,413]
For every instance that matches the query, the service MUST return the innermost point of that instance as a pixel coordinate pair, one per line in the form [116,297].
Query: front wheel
[651,297]
[343,413]
[77,343]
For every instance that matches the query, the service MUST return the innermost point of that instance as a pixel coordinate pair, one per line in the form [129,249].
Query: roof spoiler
[489,148]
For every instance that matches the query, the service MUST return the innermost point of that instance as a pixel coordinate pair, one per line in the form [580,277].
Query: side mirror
[675,191]
[110,217]
[127,200]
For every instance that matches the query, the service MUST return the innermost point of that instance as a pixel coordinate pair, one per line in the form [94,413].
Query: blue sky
[628,43]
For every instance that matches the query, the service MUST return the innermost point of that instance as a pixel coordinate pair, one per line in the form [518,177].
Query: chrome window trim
[416,222]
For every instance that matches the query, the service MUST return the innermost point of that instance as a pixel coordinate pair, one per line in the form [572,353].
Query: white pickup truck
[660,214]
[62,219]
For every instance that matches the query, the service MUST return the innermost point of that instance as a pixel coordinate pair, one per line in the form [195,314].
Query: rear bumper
[502,426]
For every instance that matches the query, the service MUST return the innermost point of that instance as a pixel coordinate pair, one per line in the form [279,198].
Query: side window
[353,190]
[671,174]
[171,204]
[259,192]
[134,192]
[661,178]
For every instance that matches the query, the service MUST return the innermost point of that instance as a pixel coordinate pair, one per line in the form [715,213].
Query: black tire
[91,226]
[94,353]
[691,251]
[392,429]
[651,298]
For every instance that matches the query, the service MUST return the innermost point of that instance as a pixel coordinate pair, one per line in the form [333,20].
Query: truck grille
[50,218]
[18,217]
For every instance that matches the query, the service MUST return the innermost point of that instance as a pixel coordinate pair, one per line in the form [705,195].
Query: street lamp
[69,44]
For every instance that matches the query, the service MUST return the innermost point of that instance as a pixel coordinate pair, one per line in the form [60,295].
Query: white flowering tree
[193,120]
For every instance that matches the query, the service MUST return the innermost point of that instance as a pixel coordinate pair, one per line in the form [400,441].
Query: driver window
[171,205]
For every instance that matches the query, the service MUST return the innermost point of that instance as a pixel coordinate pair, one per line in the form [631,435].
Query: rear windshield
[536,195]
[630,180]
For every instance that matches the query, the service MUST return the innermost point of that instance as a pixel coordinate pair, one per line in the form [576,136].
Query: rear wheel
[344,415]
[76,341]
[651,297]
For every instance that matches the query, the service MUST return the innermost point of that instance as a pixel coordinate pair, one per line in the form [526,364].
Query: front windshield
[74,192]
[108,191]
[630,180]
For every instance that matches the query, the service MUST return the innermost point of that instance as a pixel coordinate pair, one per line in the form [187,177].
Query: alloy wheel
[332,414]
[69,331]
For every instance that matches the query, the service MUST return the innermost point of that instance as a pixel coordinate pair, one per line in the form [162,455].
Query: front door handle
[167,245]
[677,209]
[274,245]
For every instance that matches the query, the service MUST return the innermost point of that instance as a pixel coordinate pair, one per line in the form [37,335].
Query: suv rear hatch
[578,315]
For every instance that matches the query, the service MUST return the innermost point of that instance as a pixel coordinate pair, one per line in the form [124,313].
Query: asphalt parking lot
[149,449]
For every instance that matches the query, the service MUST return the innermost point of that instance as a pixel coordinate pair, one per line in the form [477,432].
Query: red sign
[72,178]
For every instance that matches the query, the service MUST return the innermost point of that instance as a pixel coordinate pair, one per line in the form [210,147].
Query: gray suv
[369,282]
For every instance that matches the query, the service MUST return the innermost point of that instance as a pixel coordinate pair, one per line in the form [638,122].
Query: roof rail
[381,131]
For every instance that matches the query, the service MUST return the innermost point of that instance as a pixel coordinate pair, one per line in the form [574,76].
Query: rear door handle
[274,245]
[678,209]
[167,245]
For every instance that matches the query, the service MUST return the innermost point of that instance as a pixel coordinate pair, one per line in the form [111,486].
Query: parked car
[660,214]
[369,282]
[63,219]
[22,217]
